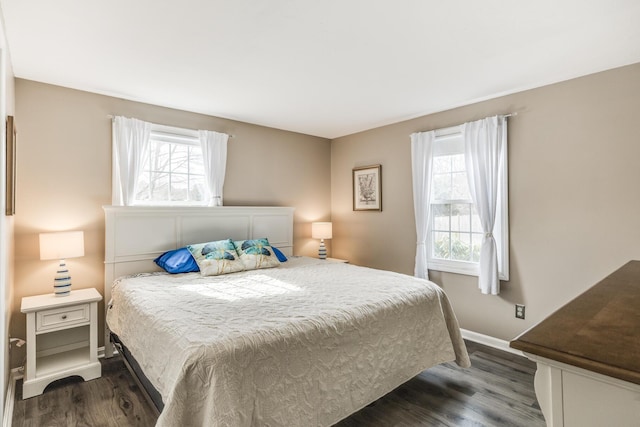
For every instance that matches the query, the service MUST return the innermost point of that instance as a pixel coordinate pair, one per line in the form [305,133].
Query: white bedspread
[303,344]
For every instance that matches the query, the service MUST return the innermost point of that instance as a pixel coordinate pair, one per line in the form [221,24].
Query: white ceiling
[320,67]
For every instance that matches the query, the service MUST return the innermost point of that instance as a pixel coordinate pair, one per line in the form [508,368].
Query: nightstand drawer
[62,317]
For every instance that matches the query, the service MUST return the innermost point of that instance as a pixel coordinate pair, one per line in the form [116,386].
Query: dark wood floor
[111,400]
[496,391]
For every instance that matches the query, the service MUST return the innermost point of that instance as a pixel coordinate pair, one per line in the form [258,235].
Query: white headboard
[136,235]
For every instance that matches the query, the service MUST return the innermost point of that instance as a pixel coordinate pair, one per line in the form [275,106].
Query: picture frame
[10,206]
[367,188]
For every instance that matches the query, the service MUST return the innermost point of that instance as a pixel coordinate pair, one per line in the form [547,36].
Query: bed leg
[108,345]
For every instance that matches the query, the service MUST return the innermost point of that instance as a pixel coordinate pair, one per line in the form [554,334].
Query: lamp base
[62,281]
[322,250]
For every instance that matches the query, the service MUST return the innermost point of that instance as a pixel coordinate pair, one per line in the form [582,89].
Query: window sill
[459,267]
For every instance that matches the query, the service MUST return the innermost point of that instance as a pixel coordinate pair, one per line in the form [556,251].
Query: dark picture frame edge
[367,188]
[10,207]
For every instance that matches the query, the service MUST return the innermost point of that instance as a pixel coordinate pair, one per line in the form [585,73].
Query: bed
[306,343]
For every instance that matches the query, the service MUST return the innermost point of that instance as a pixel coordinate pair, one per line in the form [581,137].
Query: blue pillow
[177,261]
[281,257]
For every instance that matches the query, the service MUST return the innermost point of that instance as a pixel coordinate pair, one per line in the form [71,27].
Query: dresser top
[46,301]
[599,330]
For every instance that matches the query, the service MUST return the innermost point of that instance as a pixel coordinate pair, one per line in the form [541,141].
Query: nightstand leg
[30,368]
[93,335]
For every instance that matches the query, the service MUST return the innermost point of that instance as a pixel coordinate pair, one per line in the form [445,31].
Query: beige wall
[574,174]
[64,177]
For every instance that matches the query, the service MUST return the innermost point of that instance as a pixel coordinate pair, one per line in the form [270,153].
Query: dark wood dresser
[588,355]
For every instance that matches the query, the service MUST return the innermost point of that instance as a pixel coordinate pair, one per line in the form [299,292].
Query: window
[163,165]
[172,171]
[455,230]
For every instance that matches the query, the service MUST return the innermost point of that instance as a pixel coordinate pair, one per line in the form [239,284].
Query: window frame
[172,135]
[449,141]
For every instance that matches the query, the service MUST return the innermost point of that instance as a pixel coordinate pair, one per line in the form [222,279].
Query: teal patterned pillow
[216,258]
[256,253]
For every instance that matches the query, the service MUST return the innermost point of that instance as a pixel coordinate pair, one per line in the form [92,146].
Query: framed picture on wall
[11,167]
[367,188]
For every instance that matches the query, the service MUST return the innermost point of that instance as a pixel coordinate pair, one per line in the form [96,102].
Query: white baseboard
[14,376]
[489,341]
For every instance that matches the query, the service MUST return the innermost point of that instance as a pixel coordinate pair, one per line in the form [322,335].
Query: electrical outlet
[520,311]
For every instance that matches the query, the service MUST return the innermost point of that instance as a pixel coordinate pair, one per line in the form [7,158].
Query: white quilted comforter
[303,344]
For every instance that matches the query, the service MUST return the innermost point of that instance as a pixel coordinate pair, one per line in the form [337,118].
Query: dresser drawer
[61,318]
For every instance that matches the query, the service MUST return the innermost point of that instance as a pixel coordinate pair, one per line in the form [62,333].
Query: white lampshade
[62,245]
[321,230]
[67,244]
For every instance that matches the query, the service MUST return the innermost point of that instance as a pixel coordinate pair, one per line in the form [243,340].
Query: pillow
[256,253]
[281,257]
[177,261]
[214,258]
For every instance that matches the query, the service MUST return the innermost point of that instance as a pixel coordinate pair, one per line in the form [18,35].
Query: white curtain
[214,154]
[484,142]
[421,164]
[130,145]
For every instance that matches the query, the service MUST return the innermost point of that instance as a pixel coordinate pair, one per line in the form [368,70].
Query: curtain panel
[485,140]
[214,155]
[130,145]
[421,168]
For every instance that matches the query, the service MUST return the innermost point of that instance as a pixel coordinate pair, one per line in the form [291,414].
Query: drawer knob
[64,317]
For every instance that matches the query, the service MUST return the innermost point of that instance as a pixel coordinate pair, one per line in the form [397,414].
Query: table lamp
[62,245]
[321,230]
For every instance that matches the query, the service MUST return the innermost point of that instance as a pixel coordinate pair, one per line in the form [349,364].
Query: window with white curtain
[163,165]
[455,229]
[172,171]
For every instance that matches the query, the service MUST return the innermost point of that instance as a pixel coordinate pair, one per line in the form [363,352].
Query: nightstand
[62,338]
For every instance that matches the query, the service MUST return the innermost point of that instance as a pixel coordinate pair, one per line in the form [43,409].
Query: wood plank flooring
[496,391]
